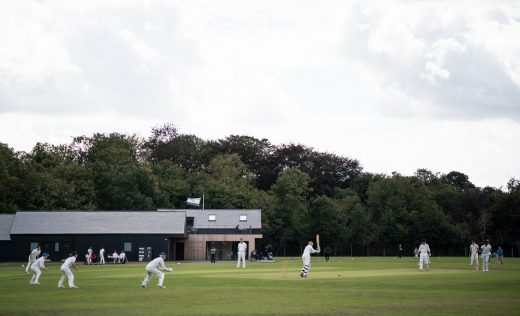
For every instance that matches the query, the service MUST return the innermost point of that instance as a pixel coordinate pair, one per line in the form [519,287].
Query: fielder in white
[424,256]
[122,257]
[486,253]
[306,258]
[242,249]
[32,257]
[102,256]
[88,256]
[36,267]
[473,249]
[67,272]
[154,267]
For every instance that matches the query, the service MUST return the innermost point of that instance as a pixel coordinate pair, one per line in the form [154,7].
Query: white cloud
[399,85]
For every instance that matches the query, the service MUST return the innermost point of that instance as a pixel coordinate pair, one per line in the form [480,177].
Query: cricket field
[342,286]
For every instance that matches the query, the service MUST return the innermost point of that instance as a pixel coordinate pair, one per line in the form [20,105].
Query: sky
[397,85]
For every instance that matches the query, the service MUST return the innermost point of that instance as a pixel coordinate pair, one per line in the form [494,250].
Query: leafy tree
[180,149]
[170,185]
[12,176]
[329,219]
[255,153]
[359,227]
[229,184]
[326,171]
[290,218]
[404,211]
[54,182]
[119,181]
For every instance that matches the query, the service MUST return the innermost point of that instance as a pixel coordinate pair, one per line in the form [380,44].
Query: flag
[193,201]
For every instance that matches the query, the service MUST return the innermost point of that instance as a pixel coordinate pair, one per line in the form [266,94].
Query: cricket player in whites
[486,253]
[424,256]
[154,267]
[473,249]
[102,255]
[306,256]
[67,272]
[32,257]
[242,248]
[36,266]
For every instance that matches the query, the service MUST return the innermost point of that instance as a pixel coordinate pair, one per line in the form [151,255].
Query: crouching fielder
[154,267]
[36,266]
[67,272]
[306,258]
[424,256]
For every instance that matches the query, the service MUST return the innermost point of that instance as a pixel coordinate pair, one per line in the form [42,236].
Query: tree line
[300,190]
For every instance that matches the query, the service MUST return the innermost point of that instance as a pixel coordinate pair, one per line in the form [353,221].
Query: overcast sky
[398,85]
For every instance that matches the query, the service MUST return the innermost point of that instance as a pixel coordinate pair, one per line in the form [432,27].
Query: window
[243,218]
[212,218]
[56,247]
[33,246]
[127,246]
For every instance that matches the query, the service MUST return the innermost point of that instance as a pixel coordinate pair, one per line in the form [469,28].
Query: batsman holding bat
[306,257]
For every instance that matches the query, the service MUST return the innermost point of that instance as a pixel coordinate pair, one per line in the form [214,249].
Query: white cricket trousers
[36,275]
[241,256]
[158,273]
[306,266]
[474,259]
[70,276]
[485,262]
[102,259]
[423,260]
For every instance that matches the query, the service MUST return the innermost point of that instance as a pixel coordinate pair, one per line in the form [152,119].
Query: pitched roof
[99,222]
[224,218]
[6,222]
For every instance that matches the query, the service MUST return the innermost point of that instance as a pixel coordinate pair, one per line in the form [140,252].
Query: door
[179,251]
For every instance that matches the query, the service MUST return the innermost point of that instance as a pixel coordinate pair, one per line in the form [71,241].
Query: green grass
[363,286]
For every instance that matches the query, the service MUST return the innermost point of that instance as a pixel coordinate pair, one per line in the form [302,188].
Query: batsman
[306,257]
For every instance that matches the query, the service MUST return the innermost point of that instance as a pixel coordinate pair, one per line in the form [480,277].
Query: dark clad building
[182,234]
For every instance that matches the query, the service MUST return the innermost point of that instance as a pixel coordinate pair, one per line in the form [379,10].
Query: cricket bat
[318,240]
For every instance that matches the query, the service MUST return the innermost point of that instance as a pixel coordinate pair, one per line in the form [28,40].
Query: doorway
[179,251]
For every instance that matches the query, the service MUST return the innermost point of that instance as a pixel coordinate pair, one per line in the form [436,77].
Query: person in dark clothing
[327,252]
[269,251]
[213,252]
[400,253]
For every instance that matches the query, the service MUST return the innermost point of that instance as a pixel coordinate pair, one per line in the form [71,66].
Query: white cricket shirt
[68,263]
[242,247]
[40,263]
[424,249]
[157,263]
[308,250]
[486,249]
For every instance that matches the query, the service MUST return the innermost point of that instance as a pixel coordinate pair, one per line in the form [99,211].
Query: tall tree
[229,184]
[119,181]
[326,171]
[256,154]
[12,175]
[290,217]
[54,181]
